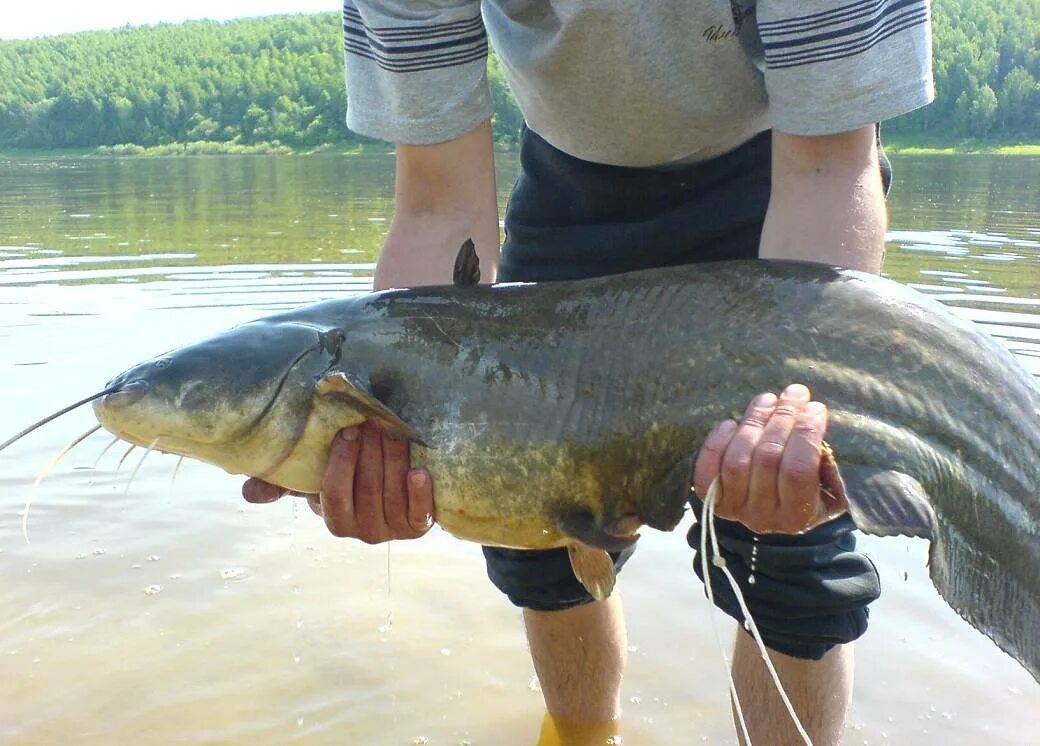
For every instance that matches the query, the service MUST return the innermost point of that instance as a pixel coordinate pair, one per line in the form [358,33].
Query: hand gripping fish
[568,414]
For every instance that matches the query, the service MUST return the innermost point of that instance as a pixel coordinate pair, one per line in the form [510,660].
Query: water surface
[149,612]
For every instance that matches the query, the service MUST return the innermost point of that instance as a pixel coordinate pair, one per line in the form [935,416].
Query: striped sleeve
[833,66]
[416,70]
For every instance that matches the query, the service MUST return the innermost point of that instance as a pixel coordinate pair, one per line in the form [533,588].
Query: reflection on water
[156,610]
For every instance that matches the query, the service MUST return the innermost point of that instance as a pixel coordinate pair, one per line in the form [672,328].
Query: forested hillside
[987,71]
[280,79]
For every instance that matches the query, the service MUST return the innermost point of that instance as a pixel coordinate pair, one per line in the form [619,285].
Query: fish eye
[163,363]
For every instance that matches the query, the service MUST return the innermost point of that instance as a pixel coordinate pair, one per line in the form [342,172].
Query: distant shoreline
[896,145]
[917,145]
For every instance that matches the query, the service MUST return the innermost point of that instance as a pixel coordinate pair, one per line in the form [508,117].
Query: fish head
[239,400]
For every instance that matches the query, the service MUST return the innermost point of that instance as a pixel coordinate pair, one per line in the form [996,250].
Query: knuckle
[398,523]
[337,529]
[368,484]
[806,428]
[756,419]
[756,523]
[394,448]
[736,467]
[769,454]
[370,536]
[800,471]
[786,409]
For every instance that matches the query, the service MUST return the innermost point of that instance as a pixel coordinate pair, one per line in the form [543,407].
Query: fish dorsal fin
[337,383]
[593,568]
[467,266]
[887,503]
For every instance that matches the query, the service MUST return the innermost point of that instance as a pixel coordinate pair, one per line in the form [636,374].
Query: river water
[159,611]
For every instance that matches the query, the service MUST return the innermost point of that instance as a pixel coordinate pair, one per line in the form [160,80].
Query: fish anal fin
[336,383]
[593,568]
[467,266]
[885,502]
[991,595]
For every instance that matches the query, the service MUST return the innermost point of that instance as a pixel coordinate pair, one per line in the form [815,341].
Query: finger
[763,495]
[337,485]
[420,501]
[709,458]
[799,479]
[736,462]
[395,488]
[258,491]
[368,486]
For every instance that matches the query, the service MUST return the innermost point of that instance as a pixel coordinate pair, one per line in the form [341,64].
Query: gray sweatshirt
[636,83]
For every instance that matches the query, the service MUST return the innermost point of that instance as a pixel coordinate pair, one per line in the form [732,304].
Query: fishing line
[46,470]
[389,626]
[708,530]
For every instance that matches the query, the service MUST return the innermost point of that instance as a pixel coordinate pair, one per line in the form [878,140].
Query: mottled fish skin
[535,402]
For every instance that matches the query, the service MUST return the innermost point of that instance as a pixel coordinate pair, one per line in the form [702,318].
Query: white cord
[708,529]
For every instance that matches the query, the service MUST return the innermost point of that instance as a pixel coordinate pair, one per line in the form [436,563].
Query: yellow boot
[558,733]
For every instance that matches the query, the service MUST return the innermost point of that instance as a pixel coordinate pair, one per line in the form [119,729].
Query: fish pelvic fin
[668,499]
[887,503]
[584,527]
[336,383]
[593,568]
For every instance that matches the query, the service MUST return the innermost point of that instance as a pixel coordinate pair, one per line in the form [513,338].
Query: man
[657,134]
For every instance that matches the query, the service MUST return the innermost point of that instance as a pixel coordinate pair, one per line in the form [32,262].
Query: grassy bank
[924,145]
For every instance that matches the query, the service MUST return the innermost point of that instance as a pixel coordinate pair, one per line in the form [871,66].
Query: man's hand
[769,464]
[368,491]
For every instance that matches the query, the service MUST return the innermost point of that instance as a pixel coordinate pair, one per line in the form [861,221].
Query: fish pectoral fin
[885,502]
[337,383]
[669,497]
[467,266]
[593,568]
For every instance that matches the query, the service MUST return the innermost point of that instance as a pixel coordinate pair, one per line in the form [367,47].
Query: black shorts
[570,219]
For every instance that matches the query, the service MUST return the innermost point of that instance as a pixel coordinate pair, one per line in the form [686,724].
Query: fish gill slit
[278,390]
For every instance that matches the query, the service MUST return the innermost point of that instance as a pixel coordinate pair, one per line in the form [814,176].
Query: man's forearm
[827,203]
[444,194]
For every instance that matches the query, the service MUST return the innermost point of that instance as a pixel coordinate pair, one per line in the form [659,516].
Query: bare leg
[819,690]
[579,655]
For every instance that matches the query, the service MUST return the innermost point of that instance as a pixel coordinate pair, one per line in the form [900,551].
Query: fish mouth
[125,395]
